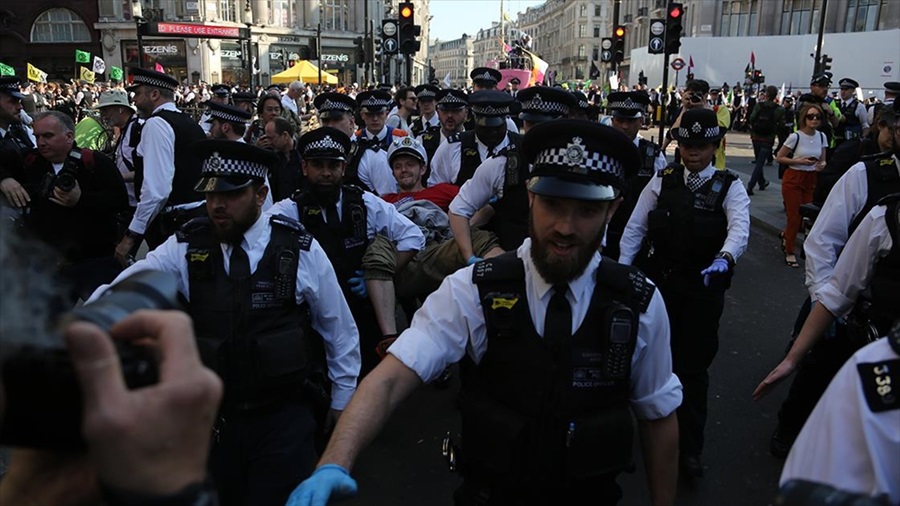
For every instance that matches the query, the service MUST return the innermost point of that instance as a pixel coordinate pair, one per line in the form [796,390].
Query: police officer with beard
[697,221]
[263,297]
[560,349]
[346,219]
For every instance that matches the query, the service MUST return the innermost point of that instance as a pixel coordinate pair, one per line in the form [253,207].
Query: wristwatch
[728,258]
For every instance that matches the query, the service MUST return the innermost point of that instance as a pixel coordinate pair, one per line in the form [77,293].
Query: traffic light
[826,63]
[690,76]
[619,44]
[360,49]
[376,48]
[674,27]
[408,29]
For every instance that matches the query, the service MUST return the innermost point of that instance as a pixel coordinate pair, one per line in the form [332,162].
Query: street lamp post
[137,12]
[248,21]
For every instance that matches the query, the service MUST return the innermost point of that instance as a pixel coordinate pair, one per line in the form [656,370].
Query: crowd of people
[531,235]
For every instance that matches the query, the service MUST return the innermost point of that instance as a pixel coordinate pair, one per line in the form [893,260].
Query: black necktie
[240,263]
[331,216]
[558,320]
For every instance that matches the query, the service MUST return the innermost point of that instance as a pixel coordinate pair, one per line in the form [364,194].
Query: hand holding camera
[66,192]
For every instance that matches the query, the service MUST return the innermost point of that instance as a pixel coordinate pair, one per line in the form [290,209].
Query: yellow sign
[37,75]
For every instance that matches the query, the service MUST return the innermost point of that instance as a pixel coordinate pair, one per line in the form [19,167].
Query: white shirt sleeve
[844,443]
[375,172]
[511,125]
[157,146]
[831,230]
[445,166]
[855,267]
[475,193]
[636,229]
[661,162]
[862,115]
[737,210]
[285,207]
[384,219]
[317,284]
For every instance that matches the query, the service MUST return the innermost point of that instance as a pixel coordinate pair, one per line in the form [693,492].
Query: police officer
[855,426]
[166,167]
[264,298]
[486,78]
[581,109]
[500,180]
[535,430]
[456,161]
[854,121]
[452,110]
[626,110]
[227,122]
[428,119]
[15,139]
[697,220]
[345,220]
[367,166]
[246,101]
[221,94]
[851,198]
[818,93]
[891,91]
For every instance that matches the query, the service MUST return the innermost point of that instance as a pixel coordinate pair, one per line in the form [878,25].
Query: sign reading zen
[192,30]
[336,57]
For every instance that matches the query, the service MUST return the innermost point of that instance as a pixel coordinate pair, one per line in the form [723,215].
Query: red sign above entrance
[192,30]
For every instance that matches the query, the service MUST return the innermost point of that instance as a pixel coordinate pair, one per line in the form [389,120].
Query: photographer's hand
[151,440]
[67,198]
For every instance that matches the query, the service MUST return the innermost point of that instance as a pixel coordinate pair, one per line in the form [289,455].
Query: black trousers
[694,313]
[262,455]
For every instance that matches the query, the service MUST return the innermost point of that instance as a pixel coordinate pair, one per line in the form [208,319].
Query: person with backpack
[767,115]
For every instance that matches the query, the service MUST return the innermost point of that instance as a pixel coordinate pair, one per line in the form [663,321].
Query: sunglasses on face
[813,116]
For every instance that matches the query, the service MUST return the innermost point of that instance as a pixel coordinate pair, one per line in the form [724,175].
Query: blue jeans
[761,150]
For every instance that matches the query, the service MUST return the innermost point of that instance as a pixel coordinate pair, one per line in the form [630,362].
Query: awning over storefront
[305,72]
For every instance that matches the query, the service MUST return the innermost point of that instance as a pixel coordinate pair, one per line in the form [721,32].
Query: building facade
[453,60]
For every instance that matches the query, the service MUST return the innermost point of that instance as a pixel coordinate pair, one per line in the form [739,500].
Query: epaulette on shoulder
[628,280]
[505,267]
[453,138]
[191,228]
[304,238]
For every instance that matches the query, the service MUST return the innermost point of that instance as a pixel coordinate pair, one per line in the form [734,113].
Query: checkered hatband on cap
[426,93]
[374,102]
[539,105]
[451,99]
[215,165]
[324,144]
[490,110]
[226,116]
[485,77]
[697,131]
[152,81]
[627,104]
[578,160]
[335,105]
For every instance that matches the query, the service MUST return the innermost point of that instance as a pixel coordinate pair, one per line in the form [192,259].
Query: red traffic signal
[675,11]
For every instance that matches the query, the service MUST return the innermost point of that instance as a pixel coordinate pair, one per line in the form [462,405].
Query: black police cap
[325,142]
[231,165]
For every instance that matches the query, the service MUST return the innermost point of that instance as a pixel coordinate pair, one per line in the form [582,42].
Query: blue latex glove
[473,259]
[358,285]
[330,481]
[719,266]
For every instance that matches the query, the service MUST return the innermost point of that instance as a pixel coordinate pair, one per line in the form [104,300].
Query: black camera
[65,181]
[810,493]
[67,177]
[43,401]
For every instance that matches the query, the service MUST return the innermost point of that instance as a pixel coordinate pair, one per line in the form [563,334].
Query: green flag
[6,70]
[115,73]
[82,56]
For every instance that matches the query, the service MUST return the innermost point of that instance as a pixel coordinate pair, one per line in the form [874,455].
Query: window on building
[59,25]
[582,31]
[597,11]
[862,15]
[226,10]
[583,10]
[596,32]
[799,17]
[581,51]
[739,18]
[335,14]
[595,53]
[280,13]
[107,9]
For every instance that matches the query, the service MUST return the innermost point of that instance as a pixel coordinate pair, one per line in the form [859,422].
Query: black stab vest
[252,333]
[882,179]
[470,159]
[635,181]
[510,222]
[187,164]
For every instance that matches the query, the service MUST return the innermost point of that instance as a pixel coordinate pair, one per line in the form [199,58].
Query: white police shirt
[450,324]
[487,182]
[375,172]
[381,218]
[447,159]
[157,146]
[856,266]
[825,241]
[844,443]
[736,206]
[316,285]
